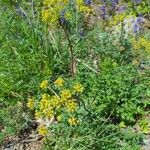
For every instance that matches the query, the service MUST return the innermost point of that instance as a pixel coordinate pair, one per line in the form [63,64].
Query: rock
[146,145]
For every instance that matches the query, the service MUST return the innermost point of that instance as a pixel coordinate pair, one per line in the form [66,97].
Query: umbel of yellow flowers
[44,84]
[73,121]
[55,105]
[59,82]
[30,103]
[42,130]
[140,43]
[78,88]
[53,10]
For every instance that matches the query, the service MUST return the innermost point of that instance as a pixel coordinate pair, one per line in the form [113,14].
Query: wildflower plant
[55,12]
[60,106]
[64,16]
[116,83]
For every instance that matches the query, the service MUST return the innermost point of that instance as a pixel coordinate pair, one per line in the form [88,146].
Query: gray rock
[146,144]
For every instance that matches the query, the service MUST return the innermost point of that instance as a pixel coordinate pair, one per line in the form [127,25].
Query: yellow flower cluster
[73,121]
[122,124]
[78,88]
[141,43]
[30,103]
[59,82]
[42,130]
[65,94]
[82,7]
[44,84]
[47,106]
[118,18]
[71,105]
[57,104]
[52,10]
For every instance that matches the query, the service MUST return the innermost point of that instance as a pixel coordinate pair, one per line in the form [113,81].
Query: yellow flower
[45,15]
[141,43]
[59,117]
[44,104]
[42,130]
[49,2]
[52,10]
[63,100]
[59,82]
[48,113]
[78,88]
[66,94]
[37,115]
[122,125]
[117,19]
[44,84]
[30,103]
[82,7]
[45,96]
[73,121]
[55,102]
[71,105]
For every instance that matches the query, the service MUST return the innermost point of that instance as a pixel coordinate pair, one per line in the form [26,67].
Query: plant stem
[72,64]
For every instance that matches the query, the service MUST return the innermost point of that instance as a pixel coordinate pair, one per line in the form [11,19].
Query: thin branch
[106,121]
[86,65]
[54,92]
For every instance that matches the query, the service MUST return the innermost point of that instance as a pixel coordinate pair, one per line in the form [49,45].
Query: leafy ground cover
[74,75]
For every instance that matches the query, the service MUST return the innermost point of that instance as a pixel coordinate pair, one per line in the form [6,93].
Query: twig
[54,92]
[106,121]
[86,65]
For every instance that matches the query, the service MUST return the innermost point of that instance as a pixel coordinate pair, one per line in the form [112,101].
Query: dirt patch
[27,139]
